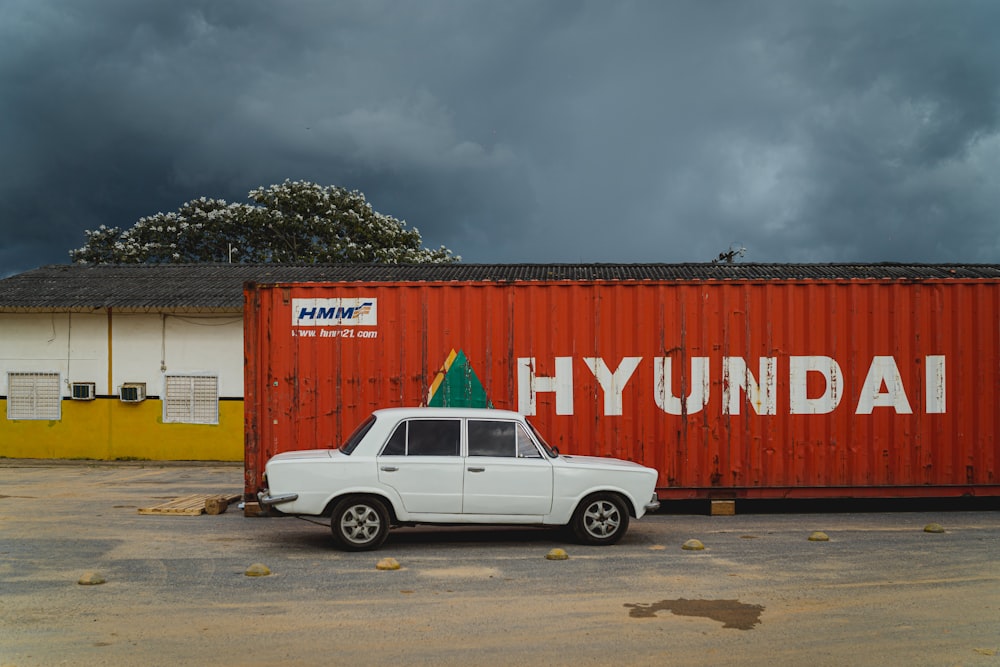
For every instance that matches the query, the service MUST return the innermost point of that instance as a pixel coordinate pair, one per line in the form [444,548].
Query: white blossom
[290,221]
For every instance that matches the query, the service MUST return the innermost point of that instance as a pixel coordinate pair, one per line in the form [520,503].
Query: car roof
[455,413]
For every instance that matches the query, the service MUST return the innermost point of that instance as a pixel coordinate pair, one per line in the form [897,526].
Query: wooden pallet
[192,505]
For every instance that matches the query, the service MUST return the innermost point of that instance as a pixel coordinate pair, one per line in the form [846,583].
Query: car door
[422,462]
[505,472]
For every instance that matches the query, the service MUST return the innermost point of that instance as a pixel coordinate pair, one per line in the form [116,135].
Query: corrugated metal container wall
[805,388]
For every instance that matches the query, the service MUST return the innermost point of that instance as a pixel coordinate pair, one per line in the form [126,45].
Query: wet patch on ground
[731,613]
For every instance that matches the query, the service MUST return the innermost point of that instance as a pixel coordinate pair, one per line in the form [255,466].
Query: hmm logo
[337,312]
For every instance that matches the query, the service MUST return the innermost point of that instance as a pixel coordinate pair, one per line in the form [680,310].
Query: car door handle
[389,468]
[477,469]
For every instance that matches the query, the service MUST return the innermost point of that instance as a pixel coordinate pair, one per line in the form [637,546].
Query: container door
[422,462]
[505,473]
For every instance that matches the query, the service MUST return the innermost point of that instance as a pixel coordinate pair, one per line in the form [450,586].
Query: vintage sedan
[408,466]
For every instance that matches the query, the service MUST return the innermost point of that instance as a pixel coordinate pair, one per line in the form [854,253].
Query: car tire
[360,523]
[600,519]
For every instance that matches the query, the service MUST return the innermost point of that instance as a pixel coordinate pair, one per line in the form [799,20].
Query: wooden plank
[723,507]
[219,504]
[253,508]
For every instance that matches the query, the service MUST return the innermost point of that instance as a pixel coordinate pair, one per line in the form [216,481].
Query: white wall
[210,345]
[71,344]
[145,346]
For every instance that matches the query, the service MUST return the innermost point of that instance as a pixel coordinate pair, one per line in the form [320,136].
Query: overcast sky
[518,131]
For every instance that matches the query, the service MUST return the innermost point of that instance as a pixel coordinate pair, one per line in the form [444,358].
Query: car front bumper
[652,505]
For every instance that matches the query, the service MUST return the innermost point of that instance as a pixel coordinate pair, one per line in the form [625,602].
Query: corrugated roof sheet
[220,286]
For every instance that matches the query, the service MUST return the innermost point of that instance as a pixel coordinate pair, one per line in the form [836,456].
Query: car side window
[526,447]
[396,445]
[492,438]
[433,437]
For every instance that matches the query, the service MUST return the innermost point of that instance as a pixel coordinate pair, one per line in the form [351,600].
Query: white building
[127,361]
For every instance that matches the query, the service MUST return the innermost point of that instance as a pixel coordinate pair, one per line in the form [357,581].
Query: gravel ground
[881,591]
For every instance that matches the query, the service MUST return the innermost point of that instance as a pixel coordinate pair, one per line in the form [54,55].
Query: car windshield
[359,433]
[551,451]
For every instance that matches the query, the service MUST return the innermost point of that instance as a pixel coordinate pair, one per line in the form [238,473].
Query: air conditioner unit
[83,391]
[132,392]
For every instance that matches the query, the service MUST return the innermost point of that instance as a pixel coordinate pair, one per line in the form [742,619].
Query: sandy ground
[880,592]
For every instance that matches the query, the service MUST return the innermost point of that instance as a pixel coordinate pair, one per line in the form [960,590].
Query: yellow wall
[108,429]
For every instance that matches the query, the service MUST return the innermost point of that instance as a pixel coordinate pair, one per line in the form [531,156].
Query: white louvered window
[33,396]
[191,399]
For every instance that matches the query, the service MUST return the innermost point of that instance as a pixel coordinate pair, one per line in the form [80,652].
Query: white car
[405,466]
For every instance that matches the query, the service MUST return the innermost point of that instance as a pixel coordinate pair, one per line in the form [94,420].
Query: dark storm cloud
[518,131]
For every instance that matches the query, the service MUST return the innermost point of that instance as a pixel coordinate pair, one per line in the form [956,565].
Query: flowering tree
[295,221]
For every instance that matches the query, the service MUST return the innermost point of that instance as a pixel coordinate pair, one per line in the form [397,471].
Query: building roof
[214,287]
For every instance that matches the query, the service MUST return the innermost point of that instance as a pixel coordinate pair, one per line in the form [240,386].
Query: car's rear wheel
[600,519]
[360,523]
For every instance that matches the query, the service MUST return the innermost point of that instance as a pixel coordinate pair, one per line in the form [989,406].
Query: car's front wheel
[360,523]
[600,519]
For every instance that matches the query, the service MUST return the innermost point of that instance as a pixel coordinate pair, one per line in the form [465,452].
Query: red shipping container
[825,381]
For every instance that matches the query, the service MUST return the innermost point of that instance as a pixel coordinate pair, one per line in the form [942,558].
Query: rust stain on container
[768,388]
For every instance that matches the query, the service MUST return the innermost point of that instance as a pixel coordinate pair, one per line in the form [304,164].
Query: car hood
[600,462]
[304,454]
